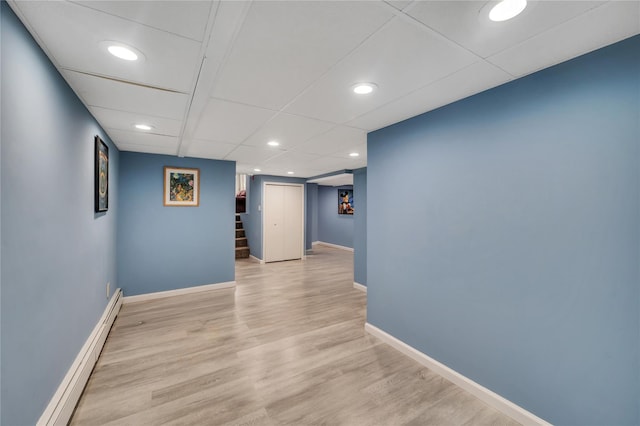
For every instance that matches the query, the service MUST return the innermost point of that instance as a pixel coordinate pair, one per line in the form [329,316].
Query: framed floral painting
[181,187]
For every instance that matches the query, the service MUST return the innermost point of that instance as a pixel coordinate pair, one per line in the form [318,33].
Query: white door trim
[304,214]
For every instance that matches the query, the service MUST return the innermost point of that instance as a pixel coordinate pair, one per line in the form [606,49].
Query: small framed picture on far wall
[345,201]
[181,187]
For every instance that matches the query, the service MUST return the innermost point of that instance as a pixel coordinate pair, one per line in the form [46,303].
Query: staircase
[242,245]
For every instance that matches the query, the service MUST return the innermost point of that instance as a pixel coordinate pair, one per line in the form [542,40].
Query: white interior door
[273,221]
[293,222]
[283,219]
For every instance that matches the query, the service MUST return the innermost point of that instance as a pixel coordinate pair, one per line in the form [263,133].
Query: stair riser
[242,253]
[242,245]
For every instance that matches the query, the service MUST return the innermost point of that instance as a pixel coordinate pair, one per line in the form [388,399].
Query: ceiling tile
[335,140]
[301,173]
[607,24]
[462,22]
[209,149]
[147,149]
[398,4]
[466,82]
[284,46]
[289,130]
[345,153]
[183,18]
[399,59]
[252,154]
[170,61]
[307,173]
[106,93]
[123,120]
[230,122]
[328,164]
[289,160]
[122,137]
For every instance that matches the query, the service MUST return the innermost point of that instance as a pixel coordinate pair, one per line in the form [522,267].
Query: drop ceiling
[220,79]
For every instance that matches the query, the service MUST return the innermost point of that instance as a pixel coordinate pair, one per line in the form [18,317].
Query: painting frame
[101,185]
[345,201]
[181,187]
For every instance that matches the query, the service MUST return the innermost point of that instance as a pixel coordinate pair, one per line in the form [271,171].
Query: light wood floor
[287,346]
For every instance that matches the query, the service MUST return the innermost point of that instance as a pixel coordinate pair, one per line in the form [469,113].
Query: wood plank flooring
[286,347]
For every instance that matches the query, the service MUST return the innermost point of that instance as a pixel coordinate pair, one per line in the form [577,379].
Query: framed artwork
[345,201]
[101,176]
[181,187]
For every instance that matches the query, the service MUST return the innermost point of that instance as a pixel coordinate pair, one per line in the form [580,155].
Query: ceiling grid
[219,79]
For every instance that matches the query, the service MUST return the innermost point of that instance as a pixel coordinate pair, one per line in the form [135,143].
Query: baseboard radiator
[61,406]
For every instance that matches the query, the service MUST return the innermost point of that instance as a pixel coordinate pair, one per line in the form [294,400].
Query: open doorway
[242,243]
[241,193]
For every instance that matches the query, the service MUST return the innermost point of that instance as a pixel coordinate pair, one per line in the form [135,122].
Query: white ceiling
[222,78]
[341,179]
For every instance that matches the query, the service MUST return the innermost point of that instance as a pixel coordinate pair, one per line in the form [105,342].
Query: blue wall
[253,220]
[57,254]
[311,190]
[518,266]
[334,228]
[360,226]
[164,248]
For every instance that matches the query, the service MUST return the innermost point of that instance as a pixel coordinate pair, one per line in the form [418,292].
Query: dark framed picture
[101,176]
[181,187]
[345,201]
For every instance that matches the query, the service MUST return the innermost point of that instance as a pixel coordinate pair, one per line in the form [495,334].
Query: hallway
[287,346]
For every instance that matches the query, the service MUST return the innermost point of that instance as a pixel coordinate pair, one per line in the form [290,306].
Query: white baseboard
[489,397]
[359,286]
[64,401]
[315,243]
[252,257]
[322,243]
[177,292]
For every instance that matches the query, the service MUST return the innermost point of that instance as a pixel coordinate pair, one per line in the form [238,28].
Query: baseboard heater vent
[61,406]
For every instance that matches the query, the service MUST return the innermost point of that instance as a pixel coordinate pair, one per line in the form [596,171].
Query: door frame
[304,215]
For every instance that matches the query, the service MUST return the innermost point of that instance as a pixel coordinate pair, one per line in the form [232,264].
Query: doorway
[283,221]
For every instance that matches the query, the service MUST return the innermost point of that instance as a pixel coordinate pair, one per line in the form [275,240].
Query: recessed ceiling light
[507,9]
[273,143]
[122,51]
[289,173]
[257,170]
[143,127]
[364,88]
[354,154]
